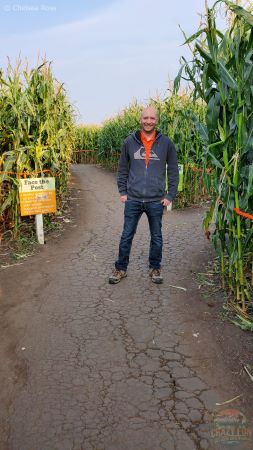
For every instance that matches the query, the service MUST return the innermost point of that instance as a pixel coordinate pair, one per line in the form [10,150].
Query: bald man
[141,182]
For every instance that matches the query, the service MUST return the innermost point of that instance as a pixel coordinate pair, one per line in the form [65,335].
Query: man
[141,183]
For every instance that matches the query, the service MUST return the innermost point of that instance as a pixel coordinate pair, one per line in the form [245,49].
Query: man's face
[148,120]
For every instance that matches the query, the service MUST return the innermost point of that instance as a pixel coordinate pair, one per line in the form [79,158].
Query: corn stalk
[222,74]
[36,133]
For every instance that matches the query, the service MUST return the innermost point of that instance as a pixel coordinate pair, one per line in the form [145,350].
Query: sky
[106,52]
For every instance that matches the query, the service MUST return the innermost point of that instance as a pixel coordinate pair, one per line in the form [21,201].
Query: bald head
[149,111]
[149,120]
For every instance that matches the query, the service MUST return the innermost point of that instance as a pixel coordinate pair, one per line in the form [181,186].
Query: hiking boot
[116,276]
[156,276]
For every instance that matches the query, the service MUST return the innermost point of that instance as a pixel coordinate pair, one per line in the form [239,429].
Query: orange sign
[37,196]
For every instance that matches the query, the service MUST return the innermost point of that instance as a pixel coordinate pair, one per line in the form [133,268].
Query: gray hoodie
[147,184]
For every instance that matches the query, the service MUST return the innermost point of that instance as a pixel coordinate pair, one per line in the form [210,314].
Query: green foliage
[36,132]
[243,323]
[86,143]
[222,74]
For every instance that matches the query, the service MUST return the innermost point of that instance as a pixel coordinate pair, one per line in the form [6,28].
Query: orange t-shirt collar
[147,145]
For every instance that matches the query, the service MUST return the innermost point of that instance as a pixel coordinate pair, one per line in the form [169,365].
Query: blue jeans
[132,214]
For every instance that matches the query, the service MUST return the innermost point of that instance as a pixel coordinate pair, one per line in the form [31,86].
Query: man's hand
[166,202]
[123,198]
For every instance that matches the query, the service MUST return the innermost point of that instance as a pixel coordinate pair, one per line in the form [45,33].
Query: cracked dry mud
[91,366]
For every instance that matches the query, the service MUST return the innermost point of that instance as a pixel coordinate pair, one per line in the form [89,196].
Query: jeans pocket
[159,203]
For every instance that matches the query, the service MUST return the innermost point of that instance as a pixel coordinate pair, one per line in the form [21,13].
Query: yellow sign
[37,196]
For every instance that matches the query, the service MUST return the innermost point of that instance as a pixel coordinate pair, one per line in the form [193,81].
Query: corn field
[212,128]
[36,134]
[86,144]
[221,72]
[211,124]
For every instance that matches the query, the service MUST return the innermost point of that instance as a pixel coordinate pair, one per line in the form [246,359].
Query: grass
[214,295]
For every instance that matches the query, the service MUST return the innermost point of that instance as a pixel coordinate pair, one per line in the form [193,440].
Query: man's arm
[123,171]
[172,172]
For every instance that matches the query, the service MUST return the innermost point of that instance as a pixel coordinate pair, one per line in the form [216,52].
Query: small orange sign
[37,196]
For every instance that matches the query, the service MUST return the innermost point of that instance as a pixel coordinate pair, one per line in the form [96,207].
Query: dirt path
[90,366]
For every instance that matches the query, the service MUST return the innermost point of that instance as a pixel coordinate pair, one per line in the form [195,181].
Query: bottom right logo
[230,429]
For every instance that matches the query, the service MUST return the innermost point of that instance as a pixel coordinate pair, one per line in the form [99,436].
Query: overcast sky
[107,52]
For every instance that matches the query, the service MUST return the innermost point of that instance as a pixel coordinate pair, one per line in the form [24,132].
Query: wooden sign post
[39,228]
[37,196]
